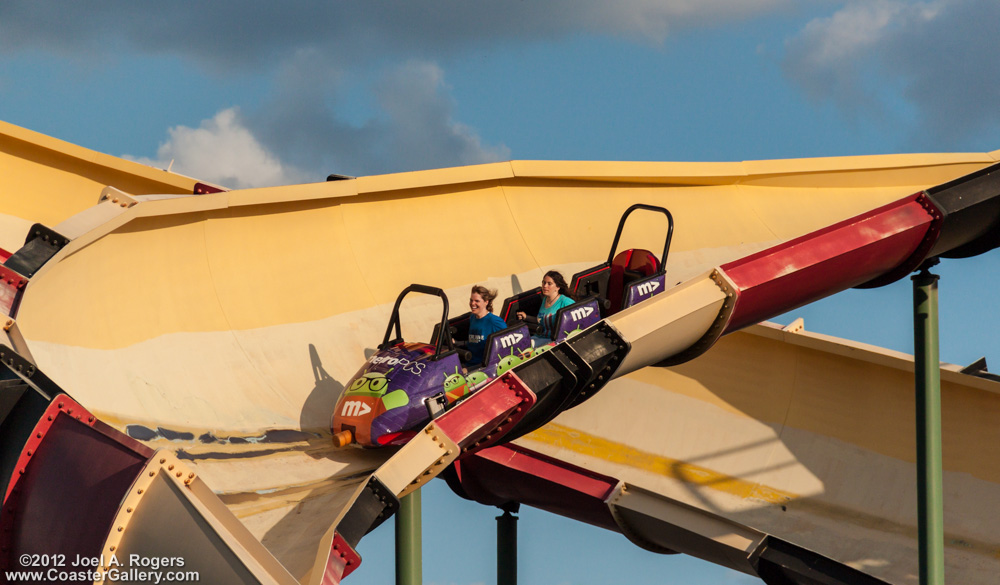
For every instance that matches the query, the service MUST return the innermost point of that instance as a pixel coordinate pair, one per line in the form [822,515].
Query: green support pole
[409,553]
[927,370]
[507,548]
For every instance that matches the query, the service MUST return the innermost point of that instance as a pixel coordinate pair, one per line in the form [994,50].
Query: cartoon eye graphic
[379,384]
[358,384]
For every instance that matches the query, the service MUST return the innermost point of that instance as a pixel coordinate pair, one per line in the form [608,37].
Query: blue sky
[254,93]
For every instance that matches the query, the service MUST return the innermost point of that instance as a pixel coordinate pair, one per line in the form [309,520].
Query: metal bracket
[40,246]
[373,507]
[118,197]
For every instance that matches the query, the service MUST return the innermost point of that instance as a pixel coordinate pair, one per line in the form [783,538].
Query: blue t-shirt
[479,330]
[547,315]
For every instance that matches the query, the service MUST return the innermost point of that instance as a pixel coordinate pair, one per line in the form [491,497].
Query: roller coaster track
[173,351]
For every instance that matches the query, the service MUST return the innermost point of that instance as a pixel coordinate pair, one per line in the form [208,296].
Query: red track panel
[11,289]
[73,472]
[829,260]
[342,561]
[509,473]
[481,419]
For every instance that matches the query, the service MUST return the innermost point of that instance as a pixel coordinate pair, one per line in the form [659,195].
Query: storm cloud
[237,34]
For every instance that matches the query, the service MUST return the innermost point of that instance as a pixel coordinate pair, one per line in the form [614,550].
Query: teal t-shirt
[547,315]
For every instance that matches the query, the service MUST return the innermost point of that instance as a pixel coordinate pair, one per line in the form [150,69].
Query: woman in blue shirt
[482,323]
[555,295]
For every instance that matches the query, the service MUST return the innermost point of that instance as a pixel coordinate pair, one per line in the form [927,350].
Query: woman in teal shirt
[555,295]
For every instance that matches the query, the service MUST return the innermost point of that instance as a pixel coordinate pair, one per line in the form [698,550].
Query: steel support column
[409,548]
[507,548]
[927,371]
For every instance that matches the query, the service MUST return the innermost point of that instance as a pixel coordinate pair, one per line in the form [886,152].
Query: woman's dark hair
[487,295]
[560,283]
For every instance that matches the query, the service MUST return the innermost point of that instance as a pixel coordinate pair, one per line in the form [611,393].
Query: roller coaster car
[405,384]
[568,321]
[629,277]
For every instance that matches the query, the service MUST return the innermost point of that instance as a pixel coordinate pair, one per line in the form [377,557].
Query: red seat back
[628,266]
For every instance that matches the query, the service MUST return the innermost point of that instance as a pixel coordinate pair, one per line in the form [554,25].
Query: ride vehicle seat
[627,267]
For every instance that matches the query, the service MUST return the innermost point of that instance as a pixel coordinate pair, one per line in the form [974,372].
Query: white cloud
[413,128]
[222,151]
[411,125]
[418,129]
[928,65]
[848,32]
